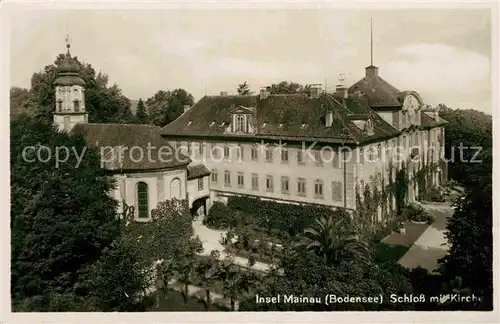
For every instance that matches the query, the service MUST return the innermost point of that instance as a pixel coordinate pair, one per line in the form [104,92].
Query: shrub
[416,213]
[435,194]
[219,217]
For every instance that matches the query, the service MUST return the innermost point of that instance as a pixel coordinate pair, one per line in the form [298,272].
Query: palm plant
[333,241]
[184,268]
[208,271]
[235,281]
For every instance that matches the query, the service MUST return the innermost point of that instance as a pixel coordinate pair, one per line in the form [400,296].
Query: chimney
[187,107]
[329,118]
[264,93]
[341,89]
[223,93]
[372,71]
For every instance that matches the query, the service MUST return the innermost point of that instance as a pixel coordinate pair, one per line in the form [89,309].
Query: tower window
[59,104]
[76,105]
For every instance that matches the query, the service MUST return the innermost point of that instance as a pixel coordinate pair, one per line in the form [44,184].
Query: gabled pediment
[241,110]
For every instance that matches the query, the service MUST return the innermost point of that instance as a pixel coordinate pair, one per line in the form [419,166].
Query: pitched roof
[427,121]
[380,93]
[281,117]
[132,142]
[197,171]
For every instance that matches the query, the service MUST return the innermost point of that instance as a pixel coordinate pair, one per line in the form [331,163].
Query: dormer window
[240,124]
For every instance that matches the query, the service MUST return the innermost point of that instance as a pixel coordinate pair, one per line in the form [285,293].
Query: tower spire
[67,42]
[371,41]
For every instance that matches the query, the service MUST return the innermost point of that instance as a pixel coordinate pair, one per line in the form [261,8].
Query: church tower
[70,94]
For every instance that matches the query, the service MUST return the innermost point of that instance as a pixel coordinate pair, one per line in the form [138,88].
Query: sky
[443,54]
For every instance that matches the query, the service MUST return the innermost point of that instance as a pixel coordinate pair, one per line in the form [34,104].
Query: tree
[235,281]
[63,223]
[19,101]
[288,87]
[470,260]
[333,241]
[166,106]
[141,114]
[244,89]
[208,270]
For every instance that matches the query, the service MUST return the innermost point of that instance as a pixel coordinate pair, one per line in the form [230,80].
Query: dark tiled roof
[107,136]
[285,117]
[197,171]
[428,122]
[379,92]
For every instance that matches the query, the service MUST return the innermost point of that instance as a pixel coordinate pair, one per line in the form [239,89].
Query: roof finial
[67,42]
[371,41]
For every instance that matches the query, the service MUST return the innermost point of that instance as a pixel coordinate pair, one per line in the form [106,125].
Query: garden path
[432,244]
[210,239]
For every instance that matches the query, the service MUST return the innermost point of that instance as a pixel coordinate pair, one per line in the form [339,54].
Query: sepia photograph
[258,158]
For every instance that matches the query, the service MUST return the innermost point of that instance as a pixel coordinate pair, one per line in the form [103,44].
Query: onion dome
[68,72]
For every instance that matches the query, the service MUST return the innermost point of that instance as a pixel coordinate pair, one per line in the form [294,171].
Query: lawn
[175,303]
[386,252]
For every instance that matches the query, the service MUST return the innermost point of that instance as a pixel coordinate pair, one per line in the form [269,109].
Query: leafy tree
[165,106]
[208,270]
[333,241]
[470,259]
[63,224]
[472,129]
[19,101]
[244,89]
[141,114]
[289,87]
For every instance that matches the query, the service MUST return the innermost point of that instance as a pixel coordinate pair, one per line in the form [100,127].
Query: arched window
[142,200]
[240,123]
[175,188]
[76,105]
[59,104]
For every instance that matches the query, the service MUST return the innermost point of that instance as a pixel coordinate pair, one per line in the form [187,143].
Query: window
[318,161]
[226,151]
[284,155]
[76,105]
[318,189]
[301,187]
[214,176]
[269,183]
[200,148]
[379,151]
[253,153]
[337,191]
[200,184]
[142,200]
[269,155]
[255,181]
[241,180]
[215,151]
[285,184]
[227,178]
[300,157]
[188,144]
[239,153]
[361,156]
[240,123]
[335,159]
[59,105]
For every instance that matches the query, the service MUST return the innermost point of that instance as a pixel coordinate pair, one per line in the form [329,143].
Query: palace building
[321,148]
[318,148]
